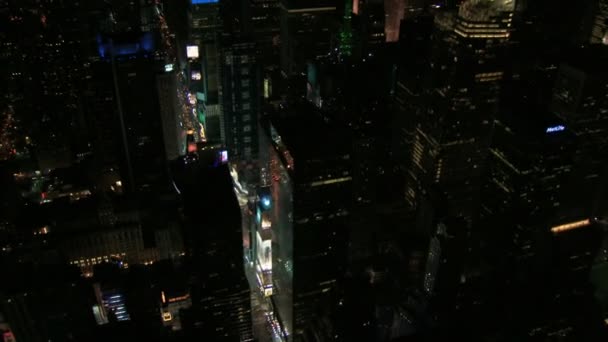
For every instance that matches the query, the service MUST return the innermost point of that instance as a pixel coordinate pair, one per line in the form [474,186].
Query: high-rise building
[266,27]
[174,135]
[369,19]
[131,89]
[221,298]
[241,97]
[206,30]
[453,125]
[306,32]
[394,9]
[310,191]
[129,70]
[410,83]
[599,30]
[579,99]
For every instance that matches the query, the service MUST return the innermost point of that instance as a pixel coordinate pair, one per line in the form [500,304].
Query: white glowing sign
[554,129]
[192,98]
[192,51]
[264,253]
[168,67]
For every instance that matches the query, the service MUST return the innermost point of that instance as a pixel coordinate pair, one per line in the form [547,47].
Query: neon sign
[554,129]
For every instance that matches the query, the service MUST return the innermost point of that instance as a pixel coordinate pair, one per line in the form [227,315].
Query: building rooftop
[485,10]
[304,4]
[307,135]
[590,59]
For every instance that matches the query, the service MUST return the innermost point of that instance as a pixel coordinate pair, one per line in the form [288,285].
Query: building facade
[310,192]
[454,121]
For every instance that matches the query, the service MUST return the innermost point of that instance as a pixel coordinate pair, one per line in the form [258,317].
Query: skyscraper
[221,307]
[128,69]
[206,30]
[454,121]
[266,26]
[132,122]
[394,9]
[310,190]
[579,99]
[599,30]
[241,97]
[369,20]
[306,32]
[174,135]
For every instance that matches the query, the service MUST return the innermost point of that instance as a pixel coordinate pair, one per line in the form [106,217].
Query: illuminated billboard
[224,156]
[197,76]
[192,147]
[192,51]
[200,96]
[168,67]
[264,253]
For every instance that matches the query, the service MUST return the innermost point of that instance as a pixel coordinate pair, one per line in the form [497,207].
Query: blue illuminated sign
[554,129]
[107,47]
[197,2]
[266,202]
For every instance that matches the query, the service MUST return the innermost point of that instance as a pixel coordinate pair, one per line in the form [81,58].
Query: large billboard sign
[192,51]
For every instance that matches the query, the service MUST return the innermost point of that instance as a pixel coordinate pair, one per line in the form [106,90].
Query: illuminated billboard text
[554,129]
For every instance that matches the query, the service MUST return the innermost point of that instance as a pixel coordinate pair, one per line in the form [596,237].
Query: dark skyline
[303,170]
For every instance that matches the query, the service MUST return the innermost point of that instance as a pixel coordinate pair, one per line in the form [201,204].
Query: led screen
[192,51]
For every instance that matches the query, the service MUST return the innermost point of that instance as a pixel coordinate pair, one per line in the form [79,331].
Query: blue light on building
[115,302]
[554,129]
[266,202]
[107,47]
[198,2]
